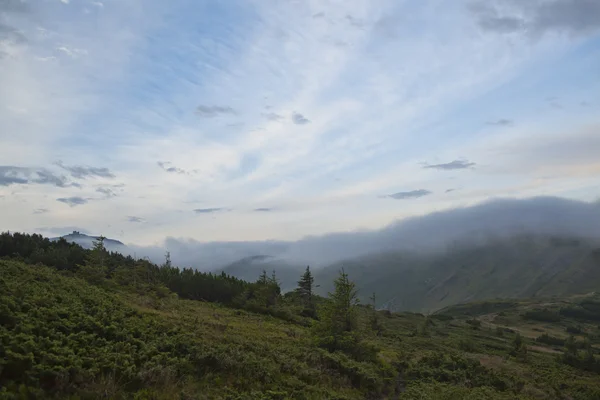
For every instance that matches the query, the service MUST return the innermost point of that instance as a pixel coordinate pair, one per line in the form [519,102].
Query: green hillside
[519,267]
[62,337]
[90,324]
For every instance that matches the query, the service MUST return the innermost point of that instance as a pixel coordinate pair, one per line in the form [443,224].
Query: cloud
[41,211]
[319,15]
[107,192]
[456,164]
[493,219]
[501,122]
[83,172]
[355,22]
[299,119]
[450,190]
[263,209]
[272,116]
[214,111]
[413,194]
[168,167]
[14,6]
[12,175]
[73,201]
[135,219]
[72,52]
[540,17]
[207,210]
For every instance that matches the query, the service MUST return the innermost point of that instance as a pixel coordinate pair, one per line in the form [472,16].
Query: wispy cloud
[501,122]
[83,172]
[12,175]
[41,211]
[355,22]
[263,209]
[361,90]
[272,116]
[135,219]
[453,165]
[214,111]
[168,167]
[538,18]
[413,194]
[299,119]
[73,201]
[208,210]
[107,192]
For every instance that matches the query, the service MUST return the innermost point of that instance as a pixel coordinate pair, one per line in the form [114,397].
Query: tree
[305,285]
[305,292]
[94,269]
[374,317]
[519,348]
[167,263]
[263,279]
[338,317]
[98,254]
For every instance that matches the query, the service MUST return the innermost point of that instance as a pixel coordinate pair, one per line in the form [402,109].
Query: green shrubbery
[99,328]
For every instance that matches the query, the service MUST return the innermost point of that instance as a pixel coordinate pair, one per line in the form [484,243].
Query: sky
[216,121]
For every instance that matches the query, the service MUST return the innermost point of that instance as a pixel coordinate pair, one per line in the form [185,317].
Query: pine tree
[374,317]
[273,280]
[305,286]
[338,318]
[305,292]
[94,269]
[519,348]
[167,263]
[98,254]
[263,279]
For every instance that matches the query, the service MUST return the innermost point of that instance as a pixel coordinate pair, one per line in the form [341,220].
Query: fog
[429,233]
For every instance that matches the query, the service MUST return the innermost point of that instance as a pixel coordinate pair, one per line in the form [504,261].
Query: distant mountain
[87,241]
[519,267]
[250,268]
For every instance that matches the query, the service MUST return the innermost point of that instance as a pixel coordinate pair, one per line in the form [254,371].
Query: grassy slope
[61,336]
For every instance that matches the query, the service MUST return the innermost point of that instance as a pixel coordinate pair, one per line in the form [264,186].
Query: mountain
[517,267]
[87,241]
[250,268]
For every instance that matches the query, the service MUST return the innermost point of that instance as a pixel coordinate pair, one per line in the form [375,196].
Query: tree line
[335,319]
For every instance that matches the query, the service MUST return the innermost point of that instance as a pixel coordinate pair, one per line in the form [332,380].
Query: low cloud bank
[433,232]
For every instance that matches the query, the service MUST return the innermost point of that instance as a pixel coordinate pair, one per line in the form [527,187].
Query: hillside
[63,337]
[519,267]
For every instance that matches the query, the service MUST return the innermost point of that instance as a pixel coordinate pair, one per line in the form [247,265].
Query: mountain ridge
[86,241]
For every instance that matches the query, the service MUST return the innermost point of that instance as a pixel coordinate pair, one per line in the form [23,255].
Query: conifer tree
[305,286]
[262,279]
[338,318]
[167,263]
[94,269]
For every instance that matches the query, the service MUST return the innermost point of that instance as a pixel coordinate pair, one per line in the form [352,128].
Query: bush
[551,340]
[544,315]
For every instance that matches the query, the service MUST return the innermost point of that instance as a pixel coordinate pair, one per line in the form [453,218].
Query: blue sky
[254,120]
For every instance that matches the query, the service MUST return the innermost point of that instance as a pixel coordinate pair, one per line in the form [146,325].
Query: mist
[499,218]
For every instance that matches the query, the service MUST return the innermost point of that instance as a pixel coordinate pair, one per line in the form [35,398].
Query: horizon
[266,121]
[432,233]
